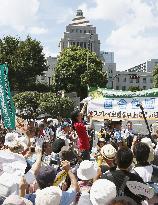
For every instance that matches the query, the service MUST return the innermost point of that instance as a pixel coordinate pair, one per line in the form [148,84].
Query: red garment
[83,140]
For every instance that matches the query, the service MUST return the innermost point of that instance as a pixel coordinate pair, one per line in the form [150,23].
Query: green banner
[6,102]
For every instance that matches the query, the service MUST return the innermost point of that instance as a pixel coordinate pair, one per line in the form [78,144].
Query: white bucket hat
[87,170]
[102,192]
[11,140]
[16,200]
[108,151]
[151,145]
[148,141]
[48,196]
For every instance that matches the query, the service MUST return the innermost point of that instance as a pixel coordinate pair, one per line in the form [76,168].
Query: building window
[137,80]
[117,87]
[84,31]
[123,87]
[72,30]
[131,81]
[80,31]
[151,80]
[144,87]
[144,80]
[124,80]
[76,30]
[81,44]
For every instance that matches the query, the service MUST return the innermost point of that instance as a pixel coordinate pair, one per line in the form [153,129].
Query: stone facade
[46,77]
[81,33]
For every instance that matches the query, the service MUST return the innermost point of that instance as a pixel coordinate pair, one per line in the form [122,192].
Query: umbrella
[42,116]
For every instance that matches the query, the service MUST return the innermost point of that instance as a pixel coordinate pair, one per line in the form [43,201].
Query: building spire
[79,12]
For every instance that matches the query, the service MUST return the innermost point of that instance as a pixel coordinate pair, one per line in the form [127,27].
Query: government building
[81,33]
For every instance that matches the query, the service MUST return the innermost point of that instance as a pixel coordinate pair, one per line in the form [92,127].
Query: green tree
[25,60]
[56,106]
[134,88]
[27,100]
[155,76]
[38,103]
[77,68]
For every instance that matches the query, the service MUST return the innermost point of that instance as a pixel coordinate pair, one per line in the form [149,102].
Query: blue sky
[127,27]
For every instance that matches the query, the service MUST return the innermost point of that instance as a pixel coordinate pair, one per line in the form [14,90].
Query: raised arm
[67,168]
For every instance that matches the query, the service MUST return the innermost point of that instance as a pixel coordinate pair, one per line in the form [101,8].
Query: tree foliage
[25,60]
[77,68]
[134,89]
[44,103]
[155,76]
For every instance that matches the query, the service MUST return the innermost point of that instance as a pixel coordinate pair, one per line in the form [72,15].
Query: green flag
[6,102]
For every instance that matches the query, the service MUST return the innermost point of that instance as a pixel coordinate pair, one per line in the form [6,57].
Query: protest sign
[108,104]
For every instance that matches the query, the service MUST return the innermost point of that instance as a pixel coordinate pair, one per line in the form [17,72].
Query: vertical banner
[6,102]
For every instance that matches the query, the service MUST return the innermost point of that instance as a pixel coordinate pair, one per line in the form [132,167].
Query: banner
[6,102]
[124,105]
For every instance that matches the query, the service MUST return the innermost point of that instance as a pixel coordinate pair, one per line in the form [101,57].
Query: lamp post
[89,47]
[49,81]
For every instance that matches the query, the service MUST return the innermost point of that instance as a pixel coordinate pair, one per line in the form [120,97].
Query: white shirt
[145,172]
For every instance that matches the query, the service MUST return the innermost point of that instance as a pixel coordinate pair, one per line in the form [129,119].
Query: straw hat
[108,151]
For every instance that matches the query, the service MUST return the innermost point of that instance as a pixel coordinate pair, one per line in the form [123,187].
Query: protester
[45,180]
[87,172]
[83,139]
[129,133]
[124,158]
[46,166]
[107,159]
[16,200]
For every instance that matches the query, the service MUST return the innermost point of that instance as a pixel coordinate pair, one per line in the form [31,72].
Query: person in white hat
[102,192]
[11,140]
[48,196]
[107,159]
[86,172]
[16,200]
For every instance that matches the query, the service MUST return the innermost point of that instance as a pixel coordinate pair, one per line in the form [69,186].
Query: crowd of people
[70,163]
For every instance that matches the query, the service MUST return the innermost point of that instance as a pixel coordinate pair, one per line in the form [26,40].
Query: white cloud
[48,52]
[134,20]
[18,14]
[37,30]
[64,15]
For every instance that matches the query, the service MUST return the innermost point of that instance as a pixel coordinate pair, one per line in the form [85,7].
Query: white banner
[124,108]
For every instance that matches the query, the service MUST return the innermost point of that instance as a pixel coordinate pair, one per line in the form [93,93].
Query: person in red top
[83,138]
